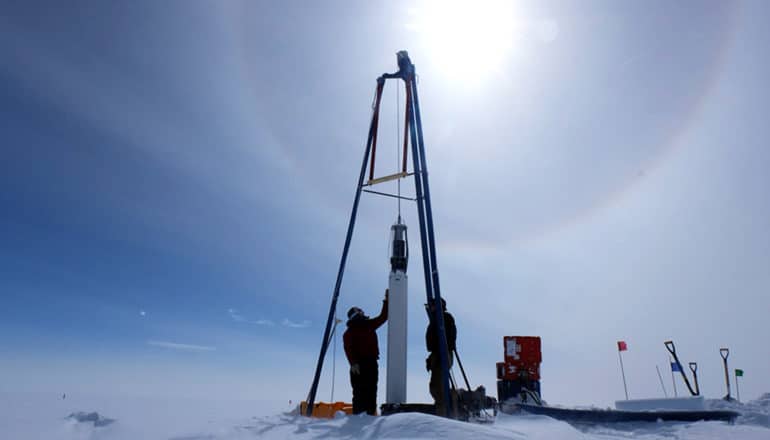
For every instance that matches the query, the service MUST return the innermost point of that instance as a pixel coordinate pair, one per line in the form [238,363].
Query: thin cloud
[178,346]
[237,317]
[287,323]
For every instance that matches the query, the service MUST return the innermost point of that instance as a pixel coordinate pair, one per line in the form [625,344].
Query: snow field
[45,417]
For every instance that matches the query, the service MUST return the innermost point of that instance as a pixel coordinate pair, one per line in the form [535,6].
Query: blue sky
[176,180]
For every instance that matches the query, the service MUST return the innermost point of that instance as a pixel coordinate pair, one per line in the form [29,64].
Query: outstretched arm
[383,316]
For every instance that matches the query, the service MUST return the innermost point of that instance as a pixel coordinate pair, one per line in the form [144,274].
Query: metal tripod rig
[412,127]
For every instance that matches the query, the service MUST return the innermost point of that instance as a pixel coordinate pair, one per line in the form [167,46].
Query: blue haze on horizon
[176,180]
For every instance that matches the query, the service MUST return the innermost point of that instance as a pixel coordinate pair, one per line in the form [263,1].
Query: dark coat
[360,339]
[431,335]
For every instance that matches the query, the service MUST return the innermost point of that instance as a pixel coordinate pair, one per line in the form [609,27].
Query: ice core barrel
[399,248]
[397,315]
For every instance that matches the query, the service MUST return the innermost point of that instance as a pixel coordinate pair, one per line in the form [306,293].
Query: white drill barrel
[397,317]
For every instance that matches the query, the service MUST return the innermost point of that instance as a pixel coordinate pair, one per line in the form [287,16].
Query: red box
[513,371]
[522,349]
[522,364]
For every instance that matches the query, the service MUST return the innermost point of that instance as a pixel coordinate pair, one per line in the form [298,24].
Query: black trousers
[436,386]
[365,387]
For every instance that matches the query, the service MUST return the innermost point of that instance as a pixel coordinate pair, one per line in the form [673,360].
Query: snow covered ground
[49,417]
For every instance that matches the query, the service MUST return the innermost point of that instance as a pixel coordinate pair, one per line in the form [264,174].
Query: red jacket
[360,339]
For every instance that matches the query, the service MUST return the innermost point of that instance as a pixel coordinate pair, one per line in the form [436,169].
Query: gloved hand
[427,363]
[387,291]
[355,369]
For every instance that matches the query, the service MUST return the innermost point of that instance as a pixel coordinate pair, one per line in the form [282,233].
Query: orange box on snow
[323,410]
[519,349]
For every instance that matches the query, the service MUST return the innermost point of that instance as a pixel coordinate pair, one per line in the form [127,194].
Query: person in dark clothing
[433,362]
[362,351]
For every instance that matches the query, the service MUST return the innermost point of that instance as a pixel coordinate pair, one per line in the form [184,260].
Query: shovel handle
[724,352]
[670,347]
[694,367]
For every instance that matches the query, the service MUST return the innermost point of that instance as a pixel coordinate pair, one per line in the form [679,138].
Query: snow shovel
[671,349]
[725,353]
[694,369]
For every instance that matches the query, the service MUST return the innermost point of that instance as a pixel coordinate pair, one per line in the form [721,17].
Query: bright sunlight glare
[465,38]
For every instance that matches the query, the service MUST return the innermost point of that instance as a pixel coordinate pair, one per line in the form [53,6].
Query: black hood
[357,320]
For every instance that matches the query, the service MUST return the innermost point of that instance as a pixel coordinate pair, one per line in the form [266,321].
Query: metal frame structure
[412,127]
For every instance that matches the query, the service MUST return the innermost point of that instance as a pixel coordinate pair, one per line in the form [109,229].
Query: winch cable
[398,153]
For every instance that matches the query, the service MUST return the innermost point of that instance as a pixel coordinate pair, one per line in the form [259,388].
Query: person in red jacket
[362,351]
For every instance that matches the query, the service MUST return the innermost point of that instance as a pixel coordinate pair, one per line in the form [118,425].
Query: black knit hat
[443,303]
[353,311]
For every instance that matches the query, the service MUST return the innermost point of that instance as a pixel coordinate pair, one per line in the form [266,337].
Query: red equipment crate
[522,371]
[522,349]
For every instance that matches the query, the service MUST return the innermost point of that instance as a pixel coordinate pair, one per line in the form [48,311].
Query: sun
[465,38]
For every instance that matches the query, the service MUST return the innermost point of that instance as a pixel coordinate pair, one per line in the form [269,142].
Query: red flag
[622,346]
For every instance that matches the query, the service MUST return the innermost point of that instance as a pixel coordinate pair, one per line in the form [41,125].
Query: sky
[177,178]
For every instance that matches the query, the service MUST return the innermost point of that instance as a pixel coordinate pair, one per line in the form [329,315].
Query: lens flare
[465,38]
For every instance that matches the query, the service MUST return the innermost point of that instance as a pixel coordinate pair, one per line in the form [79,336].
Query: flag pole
[665,393]
[673,380]
[623,372]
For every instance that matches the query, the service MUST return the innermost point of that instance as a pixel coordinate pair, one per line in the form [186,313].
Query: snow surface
[43,416]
